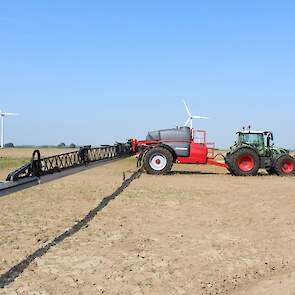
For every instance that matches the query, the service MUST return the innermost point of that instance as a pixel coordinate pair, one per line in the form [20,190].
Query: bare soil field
[195,231]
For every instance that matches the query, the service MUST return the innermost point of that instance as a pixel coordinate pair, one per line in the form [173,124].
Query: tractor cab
[262,141]
[255,139]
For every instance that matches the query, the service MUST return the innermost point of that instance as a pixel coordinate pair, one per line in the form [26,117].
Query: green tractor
[255,150]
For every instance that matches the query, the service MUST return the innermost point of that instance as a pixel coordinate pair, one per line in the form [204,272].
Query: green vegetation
[8,162]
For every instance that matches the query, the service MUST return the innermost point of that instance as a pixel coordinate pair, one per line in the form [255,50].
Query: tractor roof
[250,132]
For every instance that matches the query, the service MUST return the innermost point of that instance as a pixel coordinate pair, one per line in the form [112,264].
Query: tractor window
[253,139]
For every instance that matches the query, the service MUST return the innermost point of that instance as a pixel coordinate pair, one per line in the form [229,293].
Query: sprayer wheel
[158,161]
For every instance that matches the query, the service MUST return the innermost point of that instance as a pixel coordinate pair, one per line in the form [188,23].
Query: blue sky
[93,72]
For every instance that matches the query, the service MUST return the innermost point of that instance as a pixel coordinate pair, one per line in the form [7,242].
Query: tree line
[60,145]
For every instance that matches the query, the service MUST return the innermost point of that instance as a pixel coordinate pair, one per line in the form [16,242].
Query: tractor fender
[228,157]
[229,154]
[277,157]
[248,147]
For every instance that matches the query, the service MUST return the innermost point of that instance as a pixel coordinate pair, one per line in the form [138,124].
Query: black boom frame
[43,166]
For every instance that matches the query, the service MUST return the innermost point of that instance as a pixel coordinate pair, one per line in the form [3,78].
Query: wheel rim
[158,162]
[287,166]
[246,163]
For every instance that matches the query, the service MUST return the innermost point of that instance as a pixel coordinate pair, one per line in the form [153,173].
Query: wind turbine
[2,115]
[189,121]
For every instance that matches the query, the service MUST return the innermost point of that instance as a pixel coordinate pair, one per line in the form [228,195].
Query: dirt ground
[196,231]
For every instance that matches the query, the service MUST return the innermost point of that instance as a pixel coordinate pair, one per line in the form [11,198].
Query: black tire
[271,170]
[160,154]
[244,162]
[285,166]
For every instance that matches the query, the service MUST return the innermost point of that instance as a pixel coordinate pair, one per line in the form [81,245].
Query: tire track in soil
[13,273]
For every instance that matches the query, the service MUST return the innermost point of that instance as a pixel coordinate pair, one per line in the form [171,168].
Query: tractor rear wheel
[285,165]
[158,161]
[244,162]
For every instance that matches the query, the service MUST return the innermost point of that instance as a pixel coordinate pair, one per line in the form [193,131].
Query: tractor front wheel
[244,162]
[285,165]
[158,161]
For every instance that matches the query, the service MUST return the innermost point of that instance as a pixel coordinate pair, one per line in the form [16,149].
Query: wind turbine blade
[9,114]
[199,117]
[187,109]
[187,121]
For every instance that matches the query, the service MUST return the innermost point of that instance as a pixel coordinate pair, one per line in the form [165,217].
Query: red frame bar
[215,163]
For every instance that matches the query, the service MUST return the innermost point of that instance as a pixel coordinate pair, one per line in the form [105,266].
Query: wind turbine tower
[2,115]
